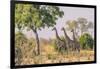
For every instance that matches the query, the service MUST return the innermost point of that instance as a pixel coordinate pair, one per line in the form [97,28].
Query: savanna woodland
[68,39]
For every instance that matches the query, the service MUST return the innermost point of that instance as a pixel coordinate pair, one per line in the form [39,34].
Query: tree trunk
[37,43]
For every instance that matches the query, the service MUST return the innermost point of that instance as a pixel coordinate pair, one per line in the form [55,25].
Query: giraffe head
[72,30]
[62,28]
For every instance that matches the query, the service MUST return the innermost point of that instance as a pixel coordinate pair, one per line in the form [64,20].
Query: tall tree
[72,25]
[84,24]
[34,17]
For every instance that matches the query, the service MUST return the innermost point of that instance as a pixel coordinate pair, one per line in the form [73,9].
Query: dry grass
[49,55]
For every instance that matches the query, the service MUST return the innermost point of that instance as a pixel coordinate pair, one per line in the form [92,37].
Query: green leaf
[36,16]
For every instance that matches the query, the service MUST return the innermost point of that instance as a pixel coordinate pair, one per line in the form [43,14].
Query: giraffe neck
[74,36]
[66,36]
[57,36]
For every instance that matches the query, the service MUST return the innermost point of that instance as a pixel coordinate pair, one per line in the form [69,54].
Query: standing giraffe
[69,42]
[59,42]
[76,43]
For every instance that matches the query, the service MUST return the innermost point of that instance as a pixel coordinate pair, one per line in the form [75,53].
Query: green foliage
[86,41]
[36,16]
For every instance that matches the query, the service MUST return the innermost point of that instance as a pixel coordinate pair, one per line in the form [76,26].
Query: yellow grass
[49,55]
[48,49]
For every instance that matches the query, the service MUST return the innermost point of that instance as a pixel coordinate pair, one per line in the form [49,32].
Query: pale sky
[70,13]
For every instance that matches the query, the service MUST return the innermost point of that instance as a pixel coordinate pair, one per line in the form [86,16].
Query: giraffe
[69,42]
[59,42]
[76,43]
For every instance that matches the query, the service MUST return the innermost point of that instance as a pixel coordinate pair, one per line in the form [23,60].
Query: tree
[84,25]
[72,25]
[35,17]
[86,41]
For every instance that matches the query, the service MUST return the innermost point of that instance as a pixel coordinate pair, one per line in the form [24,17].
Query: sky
[70,13]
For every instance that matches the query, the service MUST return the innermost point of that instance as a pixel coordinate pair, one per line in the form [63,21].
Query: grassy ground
[49,55]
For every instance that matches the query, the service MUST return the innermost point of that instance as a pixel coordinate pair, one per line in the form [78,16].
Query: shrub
[86,41]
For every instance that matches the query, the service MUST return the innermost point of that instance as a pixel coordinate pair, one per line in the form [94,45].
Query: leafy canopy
[84,24]
[72,24]
[36,16]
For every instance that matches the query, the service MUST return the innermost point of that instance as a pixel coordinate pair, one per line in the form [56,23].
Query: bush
[24,48]
[86,41]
